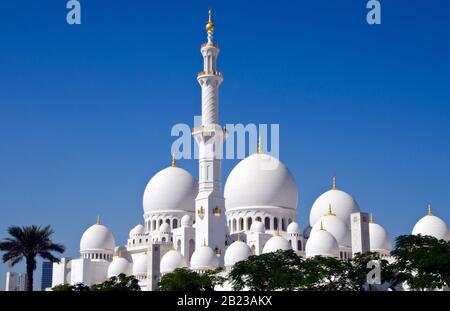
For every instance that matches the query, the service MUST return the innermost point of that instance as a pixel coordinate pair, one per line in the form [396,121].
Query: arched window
[234,225]
[289,221]
[154,225]
[96,256]
[253,250]
[340,255]
[258,219]
[267,223]
[241,224]
[299,245]
[160,223]
[134,241]
[249,223]
[140,240]
[275,223]
[179,245]
[174,223]
[163,239]
[283,224]
[168,221]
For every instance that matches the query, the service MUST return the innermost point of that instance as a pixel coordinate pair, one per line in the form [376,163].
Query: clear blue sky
[86,111]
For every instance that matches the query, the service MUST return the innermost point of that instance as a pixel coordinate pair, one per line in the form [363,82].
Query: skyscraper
[47,272]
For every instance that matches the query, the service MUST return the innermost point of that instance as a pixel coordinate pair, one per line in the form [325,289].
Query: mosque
[195,225]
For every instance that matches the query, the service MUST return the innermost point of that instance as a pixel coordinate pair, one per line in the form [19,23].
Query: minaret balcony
[212,73]
[208,44]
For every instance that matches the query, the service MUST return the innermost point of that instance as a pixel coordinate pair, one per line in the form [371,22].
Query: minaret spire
[210,224]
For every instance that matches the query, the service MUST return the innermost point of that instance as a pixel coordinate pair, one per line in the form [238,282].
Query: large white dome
[276,243]
[336,227]
[97,237]
[171,261]
[119,265]
[140,264]
[204,258]
[260,180]
[322,243]
[379,238]
[171,189]
[342,203]
[237,251]
[431,225]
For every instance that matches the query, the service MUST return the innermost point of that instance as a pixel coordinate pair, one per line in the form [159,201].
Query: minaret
[210,228]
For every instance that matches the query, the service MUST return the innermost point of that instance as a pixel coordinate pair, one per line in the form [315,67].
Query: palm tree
[29,242]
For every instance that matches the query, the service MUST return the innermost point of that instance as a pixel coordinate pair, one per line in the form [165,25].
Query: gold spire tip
[334,183]
[430,212]
[372,221]
[204,242]
[330,211]
[210,25]
[98,219]
[259,145]
[239,237]
[174,161]
[321,226]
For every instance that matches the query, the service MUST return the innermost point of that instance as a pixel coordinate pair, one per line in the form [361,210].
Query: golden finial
[330,211]
[98,219]
[145,252]
[239,237]
[174,164]
[430,212]
[210,25]
[321,226]
[259,145]
[334,183]
[204,242]
[371,219]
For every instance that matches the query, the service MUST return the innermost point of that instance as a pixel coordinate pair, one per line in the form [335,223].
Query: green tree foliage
[79,287]
[118,283]
[279,270]
[422,261]
[29,242]
[186,280]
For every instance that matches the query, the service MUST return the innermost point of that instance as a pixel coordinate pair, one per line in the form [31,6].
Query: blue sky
[86,111]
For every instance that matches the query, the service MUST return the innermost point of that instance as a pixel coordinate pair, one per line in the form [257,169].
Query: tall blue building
[47,272]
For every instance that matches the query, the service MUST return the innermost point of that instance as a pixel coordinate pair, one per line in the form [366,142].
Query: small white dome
[165,228]
[260,180]
[293,228]
[97,237]
[204,258]
[336,227]
[276,243]
[140,265]
[237,251]
[137,230]
[171,261]
[119,265]
[307,232]
[322,243]
[257,227]
[186,221]
[342,203]
[171,189]
[433,226]
[379,238]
